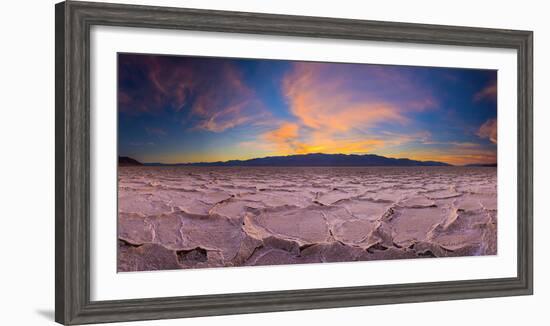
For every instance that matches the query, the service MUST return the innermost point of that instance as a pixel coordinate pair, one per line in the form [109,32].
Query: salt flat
[196,217]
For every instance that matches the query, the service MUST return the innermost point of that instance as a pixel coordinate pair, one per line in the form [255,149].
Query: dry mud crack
[195,217]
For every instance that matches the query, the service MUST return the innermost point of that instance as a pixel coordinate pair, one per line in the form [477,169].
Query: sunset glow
[177,109]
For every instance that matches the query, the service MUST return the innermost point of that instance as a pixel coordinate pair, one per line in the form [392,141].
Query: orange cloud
[325,143]
[489,130]
[286,140]
[328,104]
[334,115]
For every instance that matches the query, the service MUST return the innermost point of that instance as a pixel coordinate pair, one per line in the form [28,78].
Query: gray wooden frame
[72,170]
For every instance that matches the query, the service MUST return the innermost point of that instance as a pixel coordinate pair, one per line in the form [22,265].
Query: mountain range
[316,159]
[127,161]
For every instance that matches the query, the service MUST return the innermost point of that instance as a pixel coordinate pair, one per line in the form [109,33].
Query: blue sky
[177,109]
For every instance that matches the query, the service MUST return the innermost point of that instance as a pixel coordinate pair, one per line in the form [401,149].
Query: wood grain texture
[72,60]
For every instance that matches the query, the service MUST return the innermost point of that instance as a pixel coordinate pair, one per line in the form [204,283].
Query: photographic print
[227,162]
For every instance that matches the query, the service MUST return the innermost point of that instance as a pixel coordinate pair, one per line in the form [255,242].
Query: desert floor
[196,217]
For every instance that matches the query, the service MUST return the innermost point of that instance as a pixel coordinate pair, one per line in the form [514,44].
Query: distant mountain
[127,161]
[317,159]
[493,165]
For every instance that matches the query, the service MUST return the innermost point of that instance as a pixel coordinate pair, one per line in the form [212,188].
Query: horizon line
[317,153]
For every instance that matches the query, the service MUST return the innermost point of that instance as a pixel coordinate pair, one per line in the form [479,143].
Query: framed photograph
[214,162]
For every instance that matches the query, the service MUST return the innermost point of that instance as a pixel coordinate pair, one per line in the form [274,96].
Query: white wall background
[27,160]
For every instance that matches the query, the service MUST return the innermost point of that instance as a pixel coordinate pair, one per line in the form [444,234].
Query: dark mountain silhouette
[127,161]
[317,159]
[483,164]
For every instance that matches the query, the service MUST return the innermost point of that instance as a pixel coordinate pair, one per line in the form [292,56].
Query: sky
[181,109]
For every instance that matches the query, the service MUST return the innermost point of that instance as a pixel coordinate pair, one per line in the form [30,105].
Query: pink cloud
[489,92]
[232,116]
[489,130]
[211,93]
